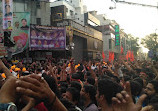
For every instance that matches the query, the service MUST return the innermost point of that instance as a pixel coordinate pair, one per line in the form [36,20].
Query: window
[71,13]
[38,5]
[109,43]
[66,9]
[38,21]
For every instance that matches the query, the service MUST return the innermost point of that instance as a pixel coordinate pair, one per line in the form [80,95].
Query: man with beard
[151,90]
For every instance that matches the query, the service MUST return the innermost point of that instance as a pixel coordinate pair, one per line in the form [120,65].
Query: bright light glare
[145,50]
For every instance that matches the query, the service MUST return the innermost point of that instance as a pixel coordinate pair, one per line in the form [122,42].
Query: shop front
[87,42]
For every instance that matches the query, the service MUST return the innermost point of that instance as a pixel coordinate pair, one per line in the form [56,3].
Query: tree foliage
[150,41]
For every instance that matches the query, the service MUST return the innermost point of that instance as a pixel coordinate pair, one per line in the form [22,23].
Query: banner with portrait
[47,38]
[20,32]
[2,48]
[7,14]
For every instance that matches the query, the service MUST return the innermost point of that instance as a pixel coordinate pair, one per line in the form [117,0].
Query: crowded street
[57,55]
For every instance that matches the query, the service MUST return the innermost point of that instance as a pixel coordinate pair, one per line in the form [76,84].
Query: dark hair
[109,89]
[23,19]
[63,84]
[91,90]
[7,5]
[154,102]
[76,85]
[88,73]
[69,106]
[136,88]
[116,79]
[90,80]
[155,84]
[51,82]
[62,90]
[75,93]
[140,80]
[39,69]
[127,78]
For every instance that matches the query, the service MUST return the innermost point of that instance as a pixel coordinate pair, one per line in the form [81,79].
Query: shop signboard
[117,35]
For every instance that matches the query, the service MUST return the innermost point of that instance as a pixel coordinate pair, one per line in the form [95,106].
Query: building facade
[87,41]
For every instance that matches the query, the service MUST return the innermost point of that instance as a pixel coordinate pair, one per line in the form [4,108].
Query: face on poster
[7,14]
[20,32]
[42,39]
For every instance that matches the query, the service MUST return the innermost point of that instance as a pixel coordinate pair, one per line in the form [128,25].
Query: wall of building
[74,11]
[37,10]
[79,48]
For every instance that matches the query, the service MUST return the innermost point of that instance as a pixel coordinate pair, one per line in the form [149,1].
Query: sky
[136,20]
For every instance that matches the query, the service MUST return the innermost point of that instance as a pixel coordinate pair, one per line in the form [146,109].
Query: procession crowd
[50,85]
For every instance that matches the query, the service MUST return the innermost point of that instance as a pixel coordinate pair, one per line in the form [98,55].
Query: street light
[70,47]
[112,8]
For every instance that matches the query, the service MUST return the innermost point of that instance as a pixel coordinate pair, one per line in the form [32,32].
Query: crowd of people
[84,86]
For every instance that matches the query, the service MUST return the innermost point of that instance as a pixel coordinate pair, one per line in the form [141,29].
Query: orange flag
[121,49]
[111,56]
[132,56]
[103,55]
[127,55]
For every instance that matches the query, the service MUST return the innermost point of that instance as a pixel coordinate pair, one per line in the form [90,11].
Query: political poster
[7,14]
[47,38]
[2,48]
[20,32]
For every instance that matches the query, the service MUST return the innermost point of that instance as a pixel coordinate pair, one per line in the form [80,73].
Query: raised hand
[5,69]
[8,92]
[36,87]
[124,102]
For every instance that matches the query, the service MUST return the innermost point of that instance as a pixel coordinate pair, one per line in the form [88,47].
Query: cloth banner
[103,55]
[121,49]
[20,32]
[7,14]
[2,48]
[130,56]
[111,56]
[47,38]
